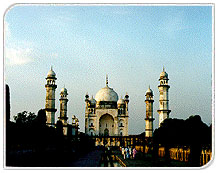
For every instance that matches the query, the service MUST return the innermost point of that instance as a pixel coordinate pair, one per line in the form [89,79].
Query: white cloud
[14,54]
[18,56]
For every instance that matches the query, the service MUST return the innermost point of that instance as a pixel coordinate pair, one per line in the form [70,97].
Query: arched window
[121,133]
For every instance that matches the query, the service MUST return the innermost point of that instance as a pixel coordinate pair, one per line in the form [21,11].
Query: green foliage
[41,119]
[7,103]
[30,142]
[191,133]
[59,128]
[25,117]
[183,132]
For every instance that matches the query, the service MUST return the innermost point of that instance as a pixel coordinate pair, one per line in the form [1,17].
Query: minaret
[63,109]
[50,98]
[106,80]
[126,99]
[164,97]
[86,113]
[149,113]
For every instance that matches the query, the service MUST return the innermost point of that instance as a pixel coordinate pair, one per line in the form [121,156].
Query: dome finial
[163,69]
[51,68]
[51,73]
[149,91]
[106,80]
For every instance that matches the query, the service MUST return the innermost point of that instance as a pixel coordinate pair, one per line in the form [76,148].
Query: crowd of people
[128,152]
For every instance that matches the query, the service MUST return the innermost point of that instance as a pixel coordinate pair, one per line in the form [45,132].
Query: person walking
[123,153]
[134,152]
[130,152]
[127,152]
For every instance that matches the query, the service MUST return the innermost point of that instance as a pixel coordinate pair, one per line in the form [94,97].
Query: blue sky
[129,43]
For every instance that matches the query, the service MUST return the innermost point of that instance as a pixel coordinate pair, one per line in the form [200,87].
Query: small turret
[87,97]
[75,125]
[121,101]
[126,98]
[92,101]
[106,80]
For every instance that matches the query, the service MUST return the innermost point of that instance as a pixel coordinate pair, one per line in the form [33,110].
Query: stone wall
[181,154]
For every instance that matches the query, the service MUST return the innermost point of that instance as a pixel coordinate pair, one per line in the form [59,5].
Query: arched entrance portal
[106,125]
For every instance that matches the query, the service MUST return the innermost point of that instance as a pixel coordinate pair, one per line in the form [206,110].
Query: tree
[169,134]
[191,132]
[8,108]
[25,117]
[59,128]
[197,135]
[41,118]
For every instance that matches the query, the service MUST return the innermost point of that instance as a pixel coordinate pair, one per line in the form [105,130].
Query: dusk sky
[129,43]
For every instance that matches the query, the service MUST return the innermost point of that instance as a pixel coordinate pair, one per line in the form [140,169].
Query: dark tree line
[34,141]
[192,133]
[30,142]
[7,101]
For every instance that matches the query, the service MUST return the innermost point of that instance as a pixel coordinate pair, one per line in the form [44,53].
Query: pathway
[92,159]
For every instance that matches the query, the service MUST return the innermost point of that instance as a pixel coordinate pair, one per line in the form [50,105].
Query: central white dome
[106,94]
